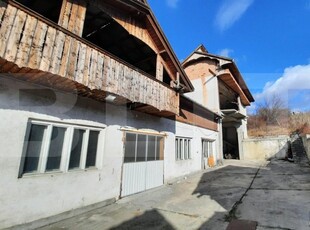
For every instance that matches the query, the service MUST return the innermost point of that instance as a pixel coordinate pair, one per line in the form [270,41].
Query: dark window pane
[130,147]
[76,148]
[185,149]
[160,148]
[55,150]
[151,145]
[204,148]
[176,148]
[34,147]
[189,149]
[181,149]
[141,148]
[92,148]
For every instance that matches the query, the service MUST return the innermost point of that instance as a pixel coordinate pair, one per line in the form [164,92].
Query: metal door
[143,163]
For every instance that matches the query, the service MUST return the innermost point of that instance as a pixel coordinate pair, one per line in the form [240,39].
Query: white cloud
[172,3]
[230,12]
[293,87]
[226,52]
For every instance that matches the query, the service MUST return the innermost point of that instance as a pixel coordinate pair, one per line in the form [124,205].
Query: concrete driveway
[276,194]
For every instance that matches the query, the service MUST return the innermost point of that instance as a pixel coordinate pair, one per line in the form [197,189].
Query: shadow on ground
[148,220]
[213,196]
[277,196]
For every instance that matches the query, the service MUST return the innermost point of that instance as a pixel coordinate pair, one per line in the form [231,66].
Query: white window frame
[207,147]
[157,158]
[66,150]
[183,148]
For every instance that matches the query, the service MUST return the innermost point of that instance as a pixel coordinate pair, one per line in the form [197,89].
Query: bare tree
[271,109]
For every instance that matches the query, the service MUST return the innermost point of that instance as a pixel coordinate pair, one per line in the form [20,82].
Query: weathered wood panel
[57,52]
[17,30]
[134,26]
[3,6]
[72,15]
[48,49]
[37,45]
[26,42]
[6,27]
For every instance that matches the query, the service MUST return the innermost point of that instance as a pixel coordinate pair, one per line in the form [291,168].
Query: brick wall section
[200,69]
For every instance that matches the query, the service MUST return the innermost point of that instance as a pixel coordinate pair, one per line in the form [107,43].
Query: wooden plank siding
[133,26]
[228,78]
[28,42]
[194,114]
[72,15]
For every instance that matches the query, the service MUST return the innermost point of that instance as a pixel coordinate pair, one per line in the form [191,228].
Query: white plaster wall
[213,97]
[197,94]
[177,168]
[30,198]
[265,148]
[242,108]
[210,85]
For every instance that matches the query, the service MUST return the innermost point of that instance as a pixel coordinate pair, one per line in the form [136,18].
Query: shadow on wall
[265,148]
[18,95]
[283,153]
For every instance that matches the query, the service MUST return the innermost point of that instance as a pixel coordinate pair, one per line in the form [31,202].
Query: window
[207,148]
[54,146]
[141,148]
[76,148]
[182,148]
[55,149]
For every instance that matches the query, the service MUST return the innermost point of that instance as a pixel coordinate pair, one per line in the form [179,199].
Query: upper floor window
[182,148]
[53,146]
[49,9]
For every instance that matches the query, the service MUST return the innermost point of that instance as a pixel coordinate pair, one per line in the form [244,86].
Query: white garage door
[143,163]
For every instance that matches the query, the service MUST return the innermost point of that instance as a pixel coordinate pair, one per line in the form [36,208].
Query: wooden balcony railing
[30,41]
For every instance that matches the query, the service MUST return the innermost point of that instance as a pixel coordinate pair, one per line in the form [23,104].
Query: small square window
[183,148]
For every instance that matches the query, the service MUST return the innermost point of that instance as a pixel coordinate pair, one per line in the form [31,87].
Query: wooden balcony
[34,49]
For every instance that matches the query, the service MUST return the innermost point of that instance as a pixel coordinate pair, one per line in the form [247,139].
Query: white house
[220,87]
[92,108]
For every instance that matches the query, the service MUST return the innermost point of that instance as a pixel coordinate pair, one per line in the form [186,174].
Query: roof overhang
[229,80]
[160,39]
[225,63]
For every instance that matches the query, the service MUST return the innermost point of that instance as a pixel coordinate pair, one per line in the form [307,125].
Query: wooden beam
[159,68]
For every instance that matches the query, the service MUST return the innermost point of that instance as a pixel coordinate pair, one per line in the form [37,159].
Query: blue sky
[268,39]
